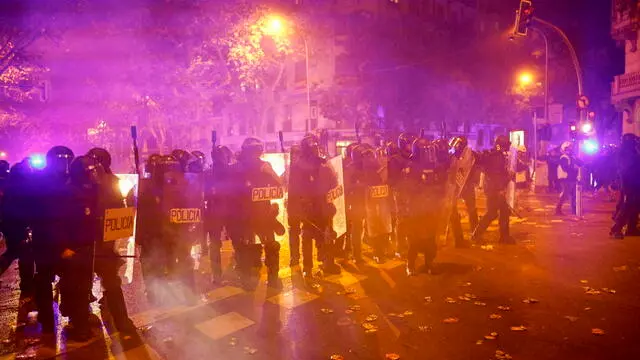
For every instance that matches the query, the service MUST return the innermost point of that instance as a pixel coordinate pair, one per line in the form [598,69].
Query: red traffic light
[523,17]
[573,127]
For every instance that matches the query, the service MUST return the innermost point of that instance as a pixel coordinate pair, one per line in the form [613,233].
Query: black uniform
[49,218]
[497,177]
[568,180]
[254,214]
[217,188]
[312,179]
[107,261]
[421,193]
[629,175]
[14,212]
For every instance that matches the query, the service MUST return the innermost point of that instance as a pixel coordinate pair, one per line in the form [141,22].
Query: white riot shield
[337,198]
[280,164]
[512,163]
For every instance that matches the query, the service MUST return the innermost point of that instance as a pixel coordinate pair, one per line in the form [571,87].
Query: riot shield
[512,163]
[336,196]
[182,206]
[280,164]
[378,210]
[457,178]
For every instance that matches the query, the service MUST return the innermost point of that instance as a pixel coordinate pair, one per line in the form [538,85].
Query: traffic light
[523,18]
[573,131]
[587,127]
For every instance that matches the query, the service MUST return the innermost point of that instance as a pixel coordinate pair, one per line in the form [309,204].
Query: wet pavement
[566,291]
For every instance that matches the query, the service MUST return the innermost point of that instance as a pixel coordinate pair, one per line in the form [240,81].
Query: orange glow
[525,78]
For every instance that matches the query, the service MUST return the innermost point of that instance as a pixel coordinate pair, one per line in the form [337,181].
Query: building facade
[331,66]
[625,94]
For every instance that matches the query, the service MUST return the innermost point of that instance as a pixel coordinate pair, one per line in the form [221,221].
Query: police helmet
[392,148]
[102,156]
[442,149]
[85,170]
[4,168]
[295,152]
[356,154]
[221,156]
[168,163]
[310,146]
[200,157]
[502,143]
[405,143]
[183,157]
[349,150]
[59,158]
[423,152]
[458,144]
[252,148]
[628,140]
[566,146]
[20,170]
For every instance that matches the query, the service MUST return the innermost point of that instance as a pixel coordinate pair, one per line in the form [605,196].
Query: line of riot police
[402,197]
[52,220]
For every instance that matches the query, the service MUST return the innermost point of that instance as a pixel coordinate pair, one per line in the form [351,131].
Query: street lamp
[276,26]
[525,78]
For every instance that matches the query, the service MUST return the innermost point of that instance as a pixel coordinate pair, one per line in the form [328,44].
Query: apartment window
[345,66]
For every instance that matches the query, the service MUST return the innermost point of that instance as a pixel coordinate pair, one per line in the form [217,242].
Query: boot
[272,261]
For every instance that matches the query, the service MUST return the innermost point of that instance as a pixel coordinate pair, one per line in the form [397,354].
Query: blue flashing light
[590,147]
[37,161]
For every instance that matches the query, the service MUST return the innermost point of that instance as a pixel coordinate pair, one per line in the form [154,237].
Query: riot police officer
[422,191]
[217,182]
[153,250]
[376,201]
[183,157]
[497,177]
[14,209]
[398,161]
[312,182]
[256,183]
[629,174]
[197,163]
[107,261]
[49,214]
[344,244]
[78,245]
[568,177]
[293,210]
[355,198]
[460,150]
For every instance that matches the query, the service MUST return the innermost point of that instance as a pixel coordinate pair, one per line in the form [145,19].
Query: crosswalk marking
[224,325]
[293,298]
[223,293]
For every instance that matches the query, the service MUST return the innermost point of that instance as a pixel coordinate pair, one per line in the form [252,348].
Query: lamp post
[578,69]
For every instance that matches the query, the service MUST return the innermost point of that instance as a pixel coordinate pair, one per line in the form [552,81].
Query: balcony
[625,86]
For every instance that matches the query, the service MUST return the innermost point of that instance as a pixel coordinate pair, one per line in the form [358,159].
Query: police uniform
[497,177]
[255,184]
[422,190]
[311,182]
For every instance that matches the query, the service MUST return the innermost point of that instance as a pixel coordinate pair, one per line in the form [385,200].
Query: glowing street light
[525,78]
[275,26]
[586,128]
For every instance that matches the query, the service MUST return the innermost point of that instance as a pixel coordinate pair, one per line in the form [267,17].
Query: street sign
[583,102]
[556,114]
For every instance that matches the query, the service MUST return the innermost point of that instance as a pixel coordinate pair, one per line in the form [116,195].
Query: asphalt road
[565,291]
